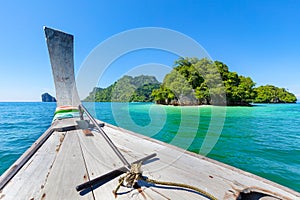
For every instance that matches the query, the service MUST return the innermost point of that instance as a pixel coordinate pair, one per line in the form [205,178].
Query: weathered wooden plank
[30,179]
[219,179]
[12,171]
[164,171]
[161,169]
[60,47]
[100,159]
[134,152]
[68,170]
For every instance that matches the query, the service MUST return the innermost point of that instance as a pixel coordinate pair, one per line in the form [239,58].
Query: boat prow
[79,157]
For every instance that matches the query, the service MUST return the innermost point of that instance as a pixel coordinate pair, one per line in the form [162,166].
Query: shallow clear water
[263,139]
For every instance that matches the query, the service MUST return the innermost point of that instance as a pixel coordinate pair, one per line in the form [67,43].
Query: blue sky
[260,39]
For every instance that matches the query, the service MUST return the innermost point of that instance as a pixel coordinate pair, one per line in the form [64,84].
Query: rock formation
[48,98]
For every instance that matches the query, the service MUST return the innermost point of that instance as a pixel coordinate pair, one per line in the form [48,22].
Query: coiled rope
[135,174]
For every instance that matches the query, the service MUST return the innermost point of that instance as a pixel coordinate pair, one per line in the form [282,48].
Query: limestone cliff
[48,98]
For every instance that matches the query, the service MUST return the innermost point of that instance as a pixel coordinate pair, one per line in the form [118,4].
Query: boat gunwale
[218,163]
[25,157]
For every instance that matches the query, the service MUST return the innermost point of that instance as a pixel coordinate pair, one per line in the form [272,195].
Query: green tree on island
[272,94]
[126,89]
[195,82]
[192,82]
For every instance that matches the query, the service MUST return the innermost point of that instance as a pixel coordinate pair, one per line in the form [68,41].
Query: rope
[135,174]
[182,185]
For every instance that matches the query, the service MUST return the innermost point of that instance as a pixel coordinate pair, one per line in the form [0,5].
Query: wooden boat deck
[69,158]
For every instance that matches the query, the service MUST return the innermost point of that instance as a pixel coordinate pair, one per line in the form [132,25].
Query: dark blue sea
[263,139]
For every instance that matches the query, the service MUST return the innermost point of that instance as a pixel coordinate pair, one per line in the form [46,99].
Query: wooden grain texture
[160,168]
[60,48]
[68,170]
[226,181]
[19,163]
[100,159]
[30,180]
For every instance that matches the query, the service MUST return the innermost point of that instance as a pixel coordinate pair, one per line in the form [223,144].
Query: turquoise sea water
[263,139]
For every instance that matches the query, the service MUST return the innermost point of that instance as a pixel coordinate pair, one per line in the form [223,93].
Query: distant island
[126,89]
[48,98]
[185,86]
